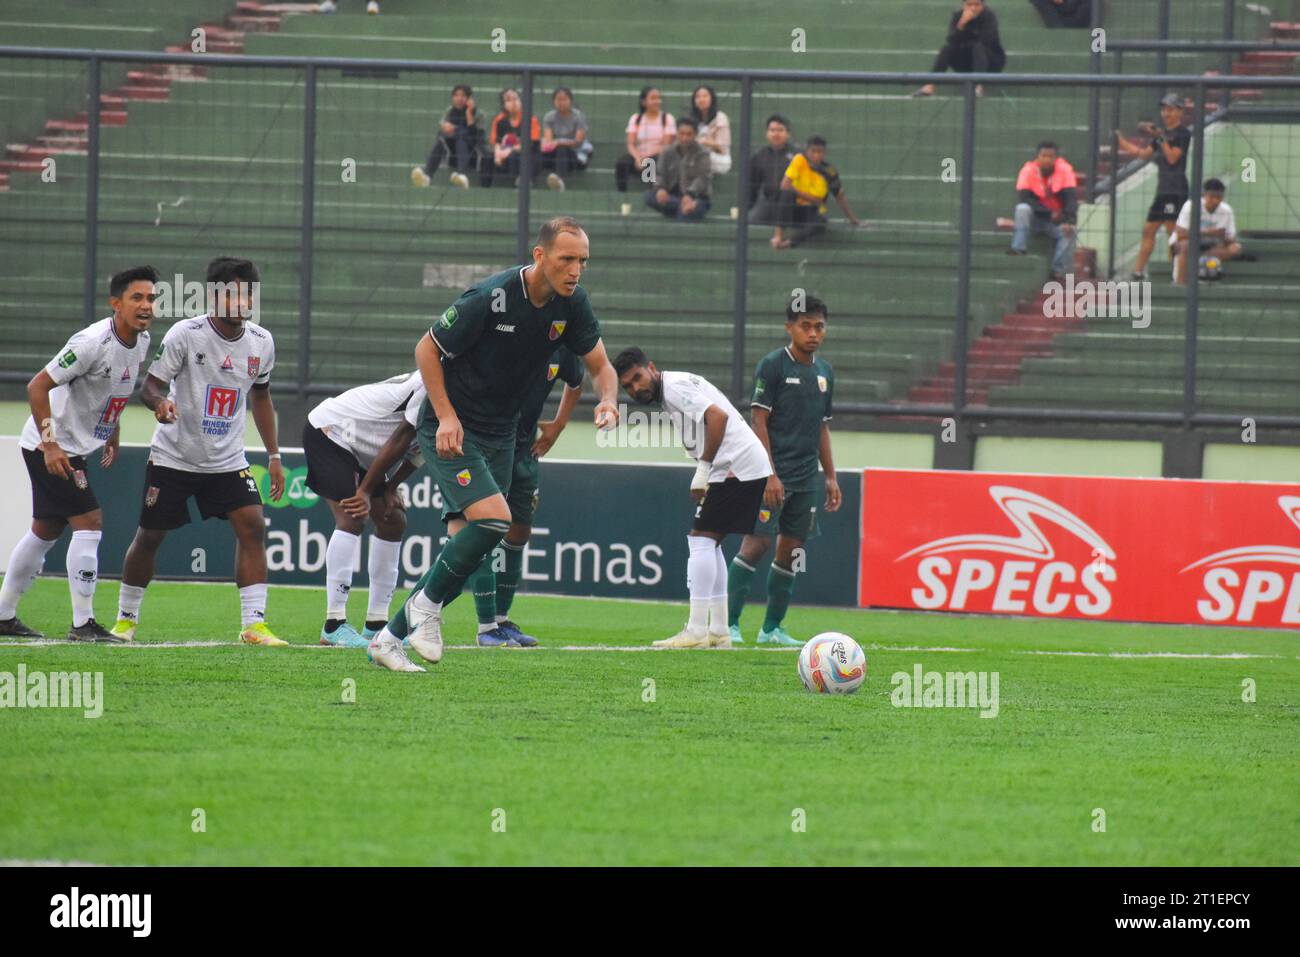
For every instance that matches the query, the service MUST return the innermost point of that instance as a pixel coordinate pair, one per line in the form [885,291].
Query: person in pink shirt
[1049,203]
[649,132]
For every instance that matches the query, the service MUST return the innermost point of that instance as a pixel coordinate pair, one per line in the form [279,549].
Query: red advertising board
[1160,550]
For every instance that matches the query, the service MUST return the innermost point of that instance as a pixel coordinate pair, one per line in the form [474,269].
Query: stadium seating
[214,167]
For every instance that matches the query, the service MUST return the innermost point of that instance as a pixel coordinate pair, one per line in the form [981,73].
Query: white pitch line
[917,649]
[16,862]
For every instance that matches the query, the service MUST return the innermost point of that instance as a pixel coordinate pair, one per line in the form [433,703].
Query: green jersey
[798,400]
[494,341]
[563,366]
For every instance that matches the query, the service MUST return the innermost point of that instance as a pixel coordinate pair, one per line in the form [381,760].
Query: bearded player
[476,362]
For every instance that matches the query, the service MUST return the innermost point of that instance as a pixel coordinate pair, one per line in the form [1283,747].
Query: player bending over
[729,483]
[341,437]
[791,411]
[476,363]
[205,370]
[76,402]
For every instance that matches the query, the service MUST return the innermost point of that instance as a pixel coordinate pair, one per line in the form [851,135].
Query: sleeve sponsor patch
[67,360]
[448,318]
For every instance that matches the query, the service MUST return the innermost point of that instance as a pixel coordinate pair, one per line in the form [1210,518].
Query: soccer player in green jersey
[476,363]
[791,410]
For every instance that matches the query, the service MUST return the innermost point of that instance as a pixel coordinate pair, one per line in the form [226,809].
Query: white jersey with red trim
[210,376]
[95,373]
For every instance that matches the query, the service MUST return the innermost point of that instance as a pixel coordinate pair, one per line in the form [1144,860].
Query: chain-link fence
[370,198]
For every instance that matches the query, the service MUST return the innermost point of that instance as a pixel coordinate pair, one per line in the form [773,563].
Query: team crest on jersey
[463,477]
[764,515]
[255,366]
[227,365]
[552,371]
[126,375]
[821,383]
[557,329]
[79,479]
[151,496]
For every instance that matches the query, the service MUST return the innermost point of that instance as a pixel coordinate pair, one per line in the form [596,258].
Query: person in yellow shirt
[808,181]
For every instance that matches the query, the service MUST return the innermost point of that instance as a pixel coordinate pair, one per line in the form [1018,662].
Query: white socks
[384,559]
[701,570]
[252,604]
[718,600]
[129,598]
[24,565]
[340,558]
[83,574]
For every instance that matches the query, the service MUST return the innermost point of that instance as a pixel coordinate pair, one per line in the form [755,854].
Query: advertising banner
[1152,550]
[615,531]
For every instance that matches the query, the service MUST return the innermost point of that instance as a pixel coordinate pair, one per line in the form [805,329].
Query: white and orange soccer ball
[832,663]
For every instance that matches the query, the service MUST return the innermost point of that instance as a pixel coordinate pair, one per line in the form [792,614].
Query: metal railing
[1188,416]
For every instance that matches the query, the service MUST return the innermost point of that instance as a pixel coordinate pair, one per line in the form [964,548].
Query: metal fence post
[308,228]
[740,304]
[1193,260]
[1114,166]
[91,267]
[1094,107]
[1162,32]
[525,171]
[964,249]
[1229,33]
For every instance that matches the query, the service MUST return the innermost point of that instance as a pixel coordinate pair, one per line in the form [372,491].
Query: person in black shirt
[1168,149]
[458,138]
[973,45]
[1065,13]
[766,169]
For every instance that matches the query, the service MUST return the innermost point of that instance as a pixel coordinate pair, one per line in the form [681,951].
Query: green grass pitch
[559,746]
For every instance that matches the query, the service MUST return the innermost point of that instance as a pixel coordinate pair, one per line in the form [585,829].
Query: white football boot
[684,639]
[424,619]
[386,652]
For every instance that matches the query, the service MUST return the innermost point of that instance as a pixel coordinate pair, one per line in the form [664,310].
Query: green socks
[740,577]
[508,579]
[780,583]
[483,583]
[461,556]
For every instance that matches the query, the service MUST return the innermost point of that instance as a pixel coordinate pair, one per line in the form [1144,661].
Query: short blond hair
[554,226]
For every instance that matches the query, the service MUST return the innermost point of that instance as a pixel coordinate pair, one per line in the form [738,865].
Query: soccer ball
[1211,267]
[832,663]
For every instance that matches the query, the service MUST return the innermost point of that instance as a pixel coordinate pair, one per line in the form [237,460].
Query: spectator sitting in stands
[1048,204]
[766,169]
[684,177]
[973,45]
[649,132]
[1218,229]
[507,142]
[1065,13]
[714,128]
[458,137]
[808,180]
[565,146]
